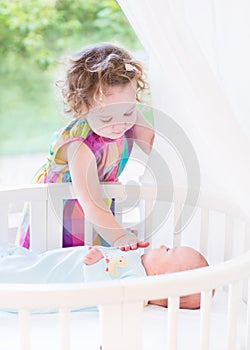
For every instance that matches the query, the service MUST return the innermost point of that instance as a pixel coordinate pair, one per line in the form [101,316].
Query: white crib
[218,229]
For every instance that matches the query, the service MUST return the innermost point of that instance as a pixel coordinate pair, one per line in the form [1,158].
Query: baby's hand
[93,256]
[127,242]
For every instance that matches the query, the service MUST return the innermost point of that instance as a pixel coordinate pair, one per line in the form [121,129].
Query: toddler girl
[100,92]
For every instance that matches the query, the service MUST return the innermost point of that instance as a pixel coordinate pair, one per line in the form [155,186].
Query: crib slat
[248,318]
[177,236]
[118,212]
[88,232]
[148,226]
[204,231]
[228,237]
[205,319]
[233,298]
[64,316]
[173,305]
[132,325]
[54,217]
[4,221]
[247,237]
[245,289]
[24,328]
[38,240]
[111,326]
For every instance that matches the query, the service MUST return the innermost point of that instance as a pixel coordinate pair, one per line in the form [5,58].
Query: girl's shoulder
[75,129]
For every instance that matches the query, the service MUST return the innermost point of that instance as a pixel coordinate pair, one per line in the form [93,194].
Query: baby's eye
[106,120]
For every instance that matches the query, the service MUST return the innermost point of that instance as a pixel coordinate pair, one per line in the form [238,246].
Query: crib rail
[46,203]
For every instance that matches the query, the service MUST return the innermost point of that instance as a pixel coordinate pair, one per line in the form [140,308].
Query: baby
[86,264]
[164,260]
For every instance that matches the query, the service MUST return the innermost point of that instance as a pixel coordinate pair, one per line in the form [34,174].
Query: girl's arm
[143,133]
[84,175]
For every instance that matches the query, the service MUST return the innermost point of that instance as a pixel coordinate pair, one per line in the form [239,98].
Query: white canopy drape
[199,54]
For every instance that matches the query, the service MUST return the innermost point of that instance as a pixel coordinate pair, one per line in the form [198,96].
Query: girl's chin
[112,136]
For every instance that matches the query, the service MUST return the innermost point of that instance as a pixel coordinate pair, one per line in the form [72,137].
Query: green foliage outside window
[35,35]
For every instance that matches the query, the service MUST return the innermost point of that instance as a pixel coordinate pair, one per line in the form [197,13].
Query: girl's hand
[134,232]
[127,242]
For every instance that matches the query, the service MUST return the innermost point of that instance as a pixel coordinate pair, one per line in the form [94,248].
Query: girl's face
[116,111]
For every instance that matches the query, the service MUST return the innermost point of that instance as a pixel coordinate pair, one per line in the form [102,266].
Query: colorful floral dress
[111,157]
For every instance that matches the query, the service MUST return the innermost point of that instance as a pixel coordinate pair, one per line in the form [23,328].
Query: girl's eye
[128,114]
[106,120]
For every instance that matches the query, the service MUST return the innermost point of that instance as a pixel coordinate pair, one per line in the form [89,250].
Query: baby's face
[166,260]
[115,113]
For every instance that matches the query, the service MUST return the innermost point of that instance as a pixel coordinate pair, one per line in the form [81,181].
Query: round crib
[218,229]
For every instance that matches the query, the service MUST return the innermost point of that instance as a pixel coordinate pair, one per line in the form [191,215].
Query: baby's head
[96,69]
[165,260]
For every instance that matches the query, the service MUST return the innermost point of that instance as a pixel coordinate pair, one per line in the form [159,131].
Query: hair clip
[130,68]
[101,94]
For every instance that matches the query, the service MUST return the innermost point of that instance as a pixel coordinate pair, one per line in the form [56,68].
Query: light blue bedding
[64,265]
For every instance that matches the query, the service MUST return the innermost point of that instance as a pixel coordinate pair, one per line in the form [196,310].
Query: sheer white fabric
[199,54]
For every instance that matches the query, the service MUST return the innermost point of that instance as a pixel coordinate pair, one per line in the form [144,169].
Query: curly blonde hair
[95,68]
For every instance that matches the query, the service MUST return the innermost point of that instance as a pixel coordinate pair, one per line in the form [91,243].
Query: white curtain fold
[199,73]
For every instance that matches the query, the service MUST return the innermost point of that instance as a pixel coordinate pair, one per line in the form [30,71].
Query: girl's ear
[84,112]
